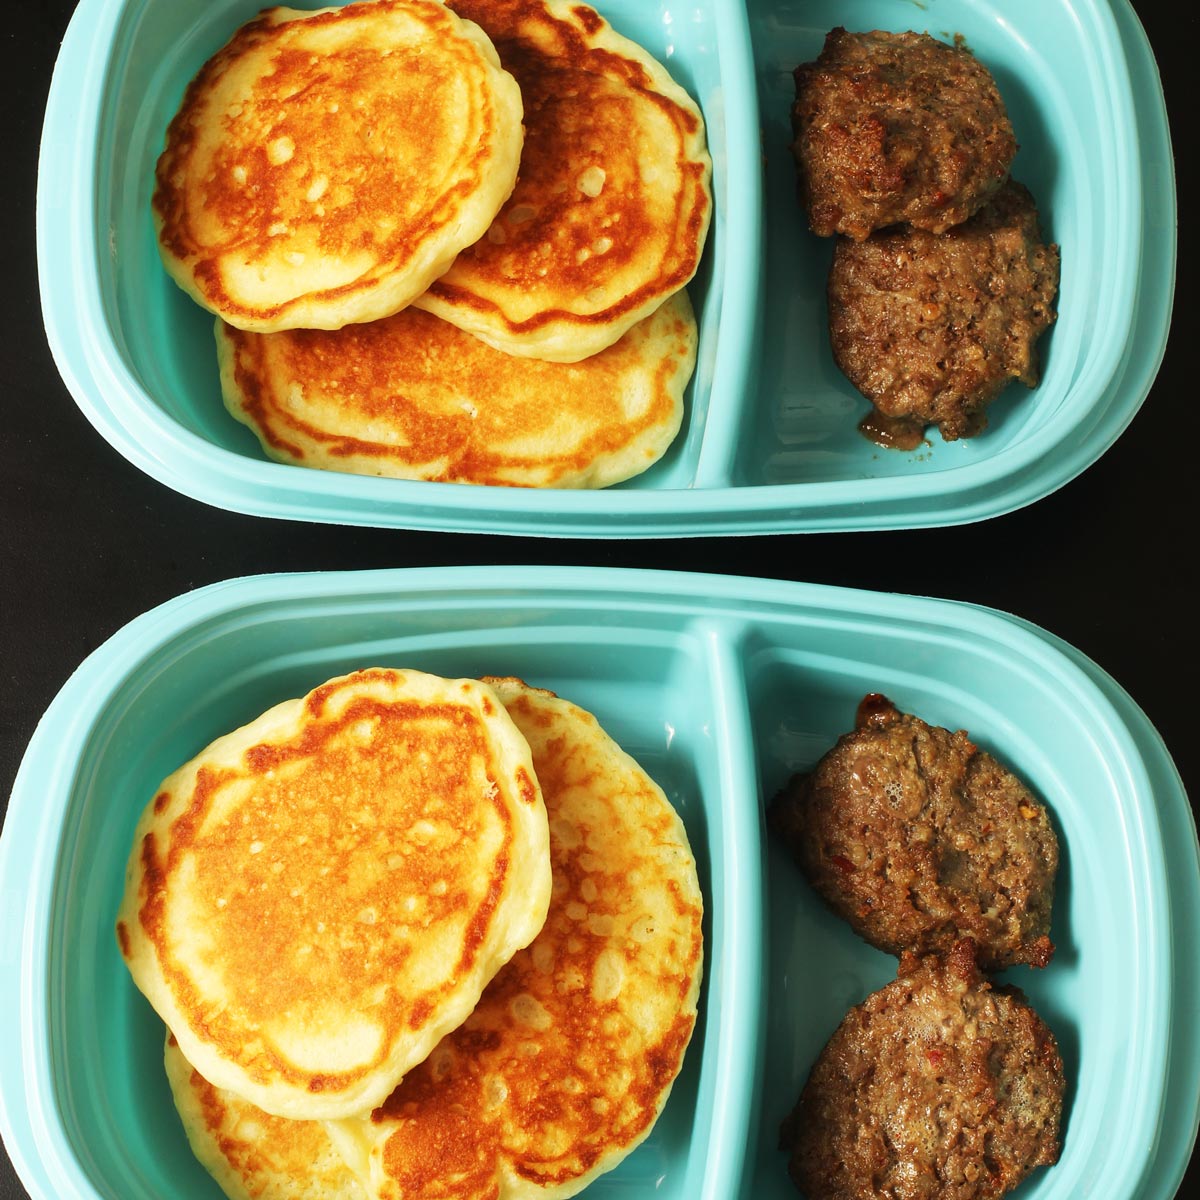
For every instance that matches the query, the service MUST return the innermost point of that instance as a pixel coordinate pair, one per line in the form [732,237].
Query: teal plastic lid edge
[33,823]
[1178,1116]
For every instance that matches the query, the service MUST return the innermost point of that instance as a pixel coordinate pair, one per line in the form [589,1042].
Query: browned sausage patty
[919,839]
[932,329]
[937,1086]
[896,127]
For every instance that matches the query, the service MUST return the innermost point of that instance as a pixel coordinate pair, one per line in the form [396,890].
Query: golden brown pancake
[326,167]
[316,899]
[415,398]
[251,1154]
[611,210]
[568,1059]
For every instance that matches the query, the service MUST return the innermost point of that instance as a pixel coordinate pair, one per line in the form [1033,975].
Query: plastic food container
[769,441]
[721,687]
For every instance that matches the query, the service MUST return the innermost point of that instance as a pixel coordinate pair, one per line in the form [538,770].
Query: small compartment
[804,428]
[1107,923]
[648,686]
[161,381]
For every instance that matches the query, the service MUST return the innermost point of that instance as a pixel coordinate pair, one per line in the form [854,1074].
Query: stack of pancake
[443,241]
[415,937]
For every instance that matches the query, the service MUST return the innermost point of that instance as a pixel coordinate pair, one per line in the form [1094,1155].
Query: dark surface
[87,542]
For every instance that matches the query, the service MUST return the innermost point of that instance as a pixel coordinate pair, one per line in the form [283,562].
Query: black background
[87,542]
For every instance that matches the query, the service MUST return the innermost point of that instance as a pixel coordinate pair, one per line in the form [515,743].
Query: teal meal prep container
[769,441]
[721,687]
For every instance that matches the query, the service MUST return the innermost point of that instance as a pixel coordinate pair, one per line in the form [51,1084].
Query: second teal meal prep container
[721,687]
[769,442]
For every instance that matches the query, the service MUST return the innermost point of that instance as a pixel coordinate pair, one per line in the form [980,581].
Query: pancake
[414,398]
[611,210]
[326,167]
[565,1065]
[252,1155]
[316,899]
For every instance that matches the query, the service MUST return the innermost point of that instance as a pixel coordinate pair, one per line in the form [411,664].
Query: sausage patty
[932,329]
[896,127]
[938,1085]
[919,839]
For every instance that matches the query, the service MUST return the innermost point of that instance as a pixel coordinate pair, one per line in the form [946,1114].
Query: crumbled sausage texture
[919,839]
[896,128]
[936,1086]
